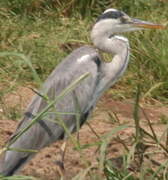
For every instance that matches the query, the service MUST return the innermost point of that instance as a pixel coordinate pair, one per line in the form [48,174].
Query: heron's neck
[118,46]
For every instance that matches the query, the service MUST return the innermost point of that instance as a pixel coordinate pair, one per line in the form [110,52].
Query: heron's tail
[10,162]
[23,149]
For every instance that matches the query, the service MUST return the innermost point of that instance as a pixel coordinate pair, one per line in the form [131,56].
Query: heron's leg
[63,149]
[60,159]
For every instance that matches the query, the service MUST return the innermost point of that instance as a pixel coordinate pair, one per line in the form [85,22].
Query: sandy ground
[43,166]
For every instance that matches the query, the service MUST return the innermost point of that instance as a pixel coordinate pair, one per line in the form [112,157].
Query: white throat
[116,45]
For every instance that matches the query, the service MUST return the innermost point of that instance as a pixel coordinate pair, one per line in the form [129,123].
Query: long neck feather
[118,46]
[112,71]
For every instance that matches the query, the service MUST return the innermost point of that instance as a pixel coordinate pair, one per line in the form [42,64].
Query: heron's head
[113,21]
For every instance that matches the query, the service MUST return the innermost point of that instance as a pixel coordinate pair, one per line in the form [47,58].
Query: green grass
[36,36]
[42,36]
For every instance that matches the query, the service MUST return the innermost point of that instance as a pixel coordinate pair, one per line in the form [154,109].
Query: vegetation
[35,35]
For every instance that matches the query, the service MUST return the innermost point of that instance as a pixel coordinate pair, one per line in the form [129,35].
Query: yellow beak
[145,24]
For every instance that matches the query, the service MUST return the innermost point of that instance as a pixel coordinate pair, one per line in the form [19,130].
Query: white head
[114,22]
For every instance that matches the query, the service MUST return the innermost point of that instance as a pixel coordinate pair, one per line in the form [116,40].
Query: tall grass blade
[26,60]
[82,175]
[162,167]
[136,114]
[17,178]
[154,87]
[105,141]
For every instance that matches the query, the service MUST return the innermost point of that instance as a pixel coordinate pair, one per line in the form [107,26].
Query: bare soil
[107,115]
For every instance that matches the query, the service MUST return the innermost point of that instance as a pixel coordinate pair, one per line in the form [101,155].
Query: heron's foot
[60,167]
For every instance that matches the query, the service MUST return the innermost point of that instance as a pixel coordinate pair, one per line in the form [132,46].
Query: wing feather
[62,76]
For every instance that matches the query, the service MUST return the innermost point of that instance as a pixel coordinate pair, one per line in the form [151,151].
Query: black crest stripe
[110,15]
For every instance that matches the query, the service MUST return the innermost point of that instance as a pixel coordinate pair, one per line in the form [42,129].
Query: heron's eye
[124,19]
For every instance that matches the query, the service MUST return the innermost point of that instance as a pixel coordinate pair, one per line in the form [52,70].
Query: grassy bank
[46,35]
[46,31]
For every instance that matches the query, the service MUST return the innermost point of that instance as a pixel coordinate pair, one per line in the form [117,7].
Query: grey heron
[106,37]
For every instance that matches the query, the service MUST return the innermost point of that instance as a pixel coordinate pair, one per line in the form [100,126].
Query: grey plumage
[87,93]
[37,137]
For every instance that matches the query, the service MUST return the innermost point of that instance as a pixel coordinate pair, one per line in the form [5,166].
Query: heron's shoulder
[84,54]
[85,50]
